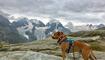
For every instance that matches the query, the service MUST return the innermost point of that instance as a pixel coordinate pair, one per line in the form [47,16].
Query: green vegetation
[48,46]
[100,33]
[4,46]
[96,45]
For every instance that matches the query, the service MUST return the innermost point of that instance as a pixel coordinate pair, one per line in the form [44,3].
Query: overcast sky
[76,11]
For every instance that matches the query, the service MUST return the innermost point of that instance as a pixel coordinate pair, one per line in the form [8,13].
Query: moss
[97,47]
[100,33]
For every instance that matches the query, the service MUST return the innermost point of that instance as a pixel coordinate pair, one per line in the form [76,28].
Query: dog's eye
[58,33]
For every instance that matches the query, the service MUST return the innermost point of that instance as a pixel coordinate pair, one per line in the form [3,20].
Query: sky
[76,11]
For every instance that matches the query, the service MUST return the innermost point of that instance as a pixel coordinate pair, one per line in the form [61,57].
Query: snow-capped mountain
[34,29]
[55,25]
[27,27]
[87,27]
[24,29]
[84,28]
[69,26]
[37,23]
[40,33]
[100,26]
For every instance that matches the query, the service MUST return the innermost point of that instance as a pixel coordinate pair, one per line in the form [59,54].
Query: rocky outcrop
[29,55]
[26,55]
[30,50]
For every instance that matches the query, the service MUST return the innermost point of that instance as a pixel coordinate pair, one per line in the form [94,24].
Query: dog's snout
[53,37]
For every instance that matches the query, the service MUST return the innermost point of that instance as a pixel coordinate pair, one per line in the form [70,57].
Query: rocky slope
[26,55]
[8,33]
[29,55]
[48,46]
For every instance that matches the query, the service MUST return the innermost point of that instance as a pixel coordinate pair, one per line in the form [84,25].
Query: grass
[4,46]
[96,45]
[100,33]
[47,46]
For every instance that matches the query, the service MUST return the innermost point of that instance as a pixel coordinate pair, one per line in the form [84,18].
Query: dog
[85,50]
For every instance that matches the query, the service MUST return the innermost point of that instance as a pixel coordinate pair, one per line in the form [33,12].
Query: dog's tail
[92,56]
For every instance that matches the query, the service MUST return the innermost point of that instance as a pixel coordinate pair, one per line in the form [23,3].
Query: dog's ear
[60,33]
[56,35]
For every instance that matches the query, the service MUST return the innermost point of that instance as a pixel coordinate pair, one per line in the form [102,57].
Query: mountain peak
[4,21]
[35,21]
[53,21]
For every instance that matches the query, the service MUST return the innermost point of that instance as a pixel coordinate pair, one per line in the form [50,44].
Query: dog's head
[56,35]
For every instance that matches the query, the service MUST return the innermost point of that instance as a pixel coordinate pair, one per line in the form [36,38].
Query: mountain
[37,23]
[4,14]
[55,25]
[28,28]
[34,29]
[20,22]
[101,26]
[87,27]
[8,33]
[70,26]
[25,30]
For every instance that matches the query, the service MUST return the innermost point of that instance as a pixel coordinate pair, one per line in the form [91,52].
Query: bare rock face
[26,55]
[29,55]
[99,56]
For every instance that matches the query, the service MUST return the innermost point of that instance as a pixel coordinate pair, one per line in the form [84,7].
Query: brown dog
[86,51]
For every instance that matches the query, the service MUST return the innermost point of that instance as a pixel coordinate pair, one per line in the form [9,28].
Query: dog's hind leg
[85,55]
[92,56]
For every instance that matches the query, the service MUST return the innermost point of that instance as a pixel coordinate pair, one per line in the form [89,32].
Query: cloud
[4,14]
[85,5]
[84,11]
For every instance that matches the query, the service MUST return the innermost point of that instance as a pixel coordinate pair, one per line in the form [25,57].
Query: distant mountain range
[87,27]
[34,29]
[25,30]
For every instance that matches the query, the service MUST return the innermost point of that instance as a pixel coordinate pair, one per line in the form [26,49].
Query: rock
[99,56]
[30,55]
[26,55]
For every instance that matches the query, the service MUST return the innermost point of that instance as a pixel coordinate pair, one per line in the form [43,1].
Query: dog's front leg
[63,54]
[64,46]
